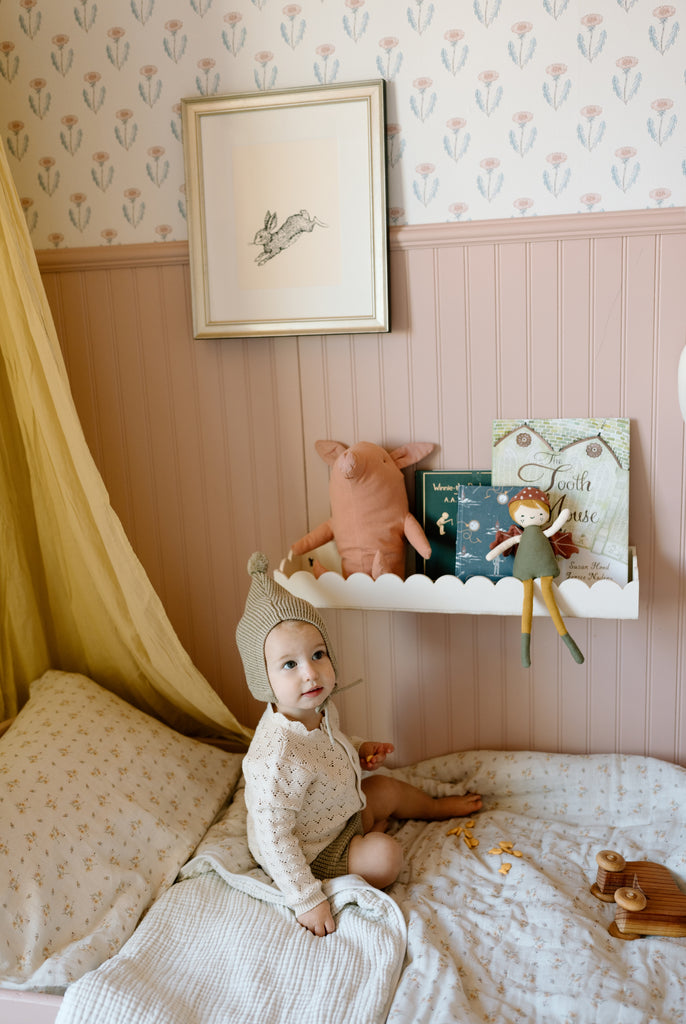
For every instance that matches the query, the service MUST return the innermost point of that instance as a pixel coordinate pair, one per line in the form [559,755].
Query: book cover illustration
[583,465]
[482,511]
[436,501]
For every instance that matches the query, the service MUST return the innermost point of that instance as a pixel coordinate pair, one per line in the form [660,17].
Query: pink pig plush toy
[370,518]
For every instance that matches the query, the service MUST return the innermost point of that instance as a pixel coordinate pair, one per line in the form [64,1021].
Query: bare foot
[458,806]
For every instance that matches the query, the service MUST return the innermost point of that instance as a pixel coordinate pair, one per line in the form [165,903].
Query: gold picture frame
[286,206]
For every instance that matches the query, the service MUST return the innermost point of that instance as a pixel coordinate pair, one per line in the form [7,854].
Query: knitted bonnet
[266,605]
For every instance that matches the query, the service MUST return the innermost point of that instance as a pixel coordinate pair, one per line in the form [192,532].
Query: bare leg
[378,858]
[392,798]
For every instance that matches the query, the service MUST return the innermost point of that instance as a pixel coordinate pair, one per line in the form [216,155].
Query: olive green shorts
[333,859]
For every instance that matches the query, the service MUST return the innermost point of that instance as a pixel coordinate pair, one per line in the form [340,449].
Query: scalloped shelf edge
[448,595]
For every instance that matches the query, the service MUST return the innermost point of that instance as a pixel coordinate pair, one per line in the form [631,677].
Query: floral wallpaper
[495,108]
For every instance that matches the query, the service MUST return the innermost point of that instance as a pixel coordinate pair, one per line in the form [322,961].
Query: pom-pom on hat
[531,494]
[266,605]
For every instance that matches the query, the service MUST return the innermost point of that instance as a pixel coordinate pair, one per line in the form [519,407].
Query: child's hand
[372,755]
[319,920]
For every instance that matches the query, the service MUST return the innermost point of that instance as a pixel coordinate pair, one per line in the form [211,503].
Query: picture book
[481,512]
[583,465]
[436,498]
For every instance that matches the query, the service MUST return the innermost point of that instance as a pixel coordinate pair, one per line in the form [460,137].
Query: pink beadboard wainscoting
[207,448]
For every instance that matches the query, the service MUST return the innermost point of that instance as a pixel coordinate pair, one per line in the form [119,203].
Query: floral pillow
[100,805]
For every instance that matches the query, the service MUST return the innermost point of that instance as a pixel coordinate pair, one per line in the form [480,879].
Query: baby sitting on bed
[311,815]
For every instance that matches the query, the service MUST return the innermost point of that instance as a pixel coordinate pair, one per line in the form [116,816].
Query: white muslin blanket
[526,946]
[220,947]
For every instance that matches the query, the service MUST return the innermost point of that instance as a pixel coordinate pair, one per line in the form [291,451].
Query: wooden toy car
[649,901]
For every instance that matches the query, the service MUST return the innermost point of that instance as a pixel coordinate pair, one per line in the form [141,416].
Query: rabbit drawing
[274,240]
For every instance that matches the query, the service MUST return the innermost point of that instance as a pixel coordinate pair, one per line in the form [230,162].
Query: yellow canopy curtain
[73,594]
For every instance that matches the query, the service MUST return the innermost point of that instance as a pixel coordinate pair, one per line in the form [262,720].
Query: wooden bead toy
[647,897]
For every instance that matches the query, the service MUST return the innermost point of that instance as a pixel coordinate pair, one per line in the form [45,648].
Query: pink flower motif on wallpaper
[17,140]
[523,205]
[263,80]
[118,50]
[102,176]
[489,100]
[157,168]
[61,58]
[206,83]
[661,129]
[523,140]
[626,87]
[387,68]
[325,72]
[30,214]
[556,181]
[664,37]
[425,190]
[292,32]
[454,59]
[625,174]
[395,214]
[590,42]
[48,176]
[660,195]
[422,105]
[590,134]
[556,94]
[71,136]
[149,90]
[522,51]
[490,185]
[457,145]
[39,99]
[9,61]
[93,95]
[175,41]
[590,199]
[29,22]
[234,37]
[126,131]
[133,210]
[457,209]
[79,213]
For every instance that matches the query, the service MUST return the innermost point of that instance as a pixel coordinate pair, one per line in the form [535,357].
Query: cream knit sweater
[301,787]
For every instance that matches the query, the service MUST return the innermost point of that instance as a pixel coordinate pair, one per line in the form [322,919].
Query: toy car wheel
[608,860]
[630,899]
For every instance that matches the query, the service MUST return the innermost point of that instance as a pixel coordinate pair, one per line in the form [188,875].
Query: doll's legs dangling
[527,613]
[551,605]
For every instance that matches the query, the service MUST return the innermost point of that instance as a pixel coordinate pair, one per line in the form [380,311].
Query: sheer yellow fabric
[73,594]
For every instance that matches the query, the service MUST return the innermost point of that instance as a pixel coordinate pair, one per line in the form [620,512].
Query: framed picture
[286,204]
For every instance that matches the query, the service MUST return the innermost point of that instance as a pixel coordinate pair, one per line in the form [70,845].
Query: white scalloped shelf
[449,595]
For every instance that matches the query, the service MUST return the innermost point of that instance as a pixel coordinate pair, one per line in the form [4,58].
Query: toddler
[311,815]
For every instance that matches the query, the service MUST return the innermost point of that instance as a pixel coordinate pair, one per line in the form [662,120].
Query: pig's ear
[408,454]
[330,450]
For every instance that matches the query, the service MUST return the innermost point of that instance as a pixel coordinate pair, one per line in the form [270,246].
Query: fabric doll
[535,558]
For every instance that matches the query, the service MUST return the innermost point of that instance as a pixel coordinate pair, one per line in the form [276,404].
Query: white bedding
[528,946]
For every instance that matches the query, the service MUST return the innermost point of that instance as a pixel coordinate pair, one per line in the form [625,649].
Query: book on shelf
[436,504]
[482,512]
[583,465]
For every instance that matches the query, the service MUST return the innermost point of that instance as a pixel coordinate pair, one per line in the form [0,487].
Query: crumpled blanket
[531,946]
[220,947]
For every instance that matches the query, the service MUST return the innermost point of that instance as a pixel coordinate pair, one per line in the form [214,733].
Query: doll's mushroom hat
[266,605]
[531,494]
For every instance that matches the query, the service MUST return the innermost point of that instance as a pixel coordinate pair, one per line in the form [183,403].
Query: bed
[129,893]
